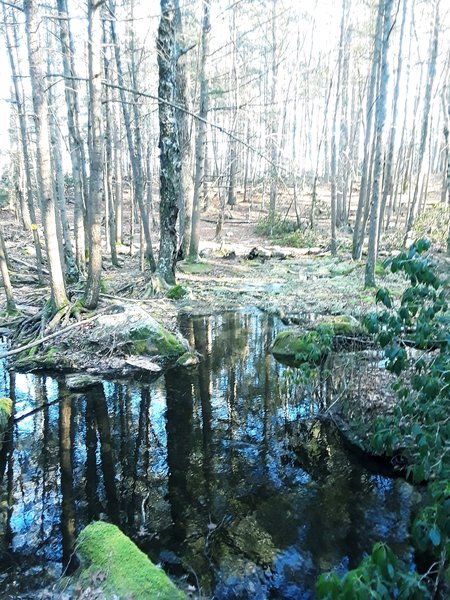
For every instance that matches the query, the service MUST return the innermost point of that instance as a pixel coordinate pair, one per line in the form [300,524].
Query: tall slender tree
[169,143]
[96,149]
[43,155]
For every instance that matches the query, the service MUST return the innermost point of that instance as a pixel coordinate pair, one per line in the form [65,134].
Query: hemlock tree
[43,156]
[169,144]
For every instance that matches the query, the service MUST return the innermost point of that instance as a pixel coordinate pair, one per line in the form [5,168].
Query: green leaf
[435,536]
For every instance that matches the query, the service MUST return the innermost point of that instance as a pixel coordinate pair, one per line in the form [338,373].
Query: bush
[419,429]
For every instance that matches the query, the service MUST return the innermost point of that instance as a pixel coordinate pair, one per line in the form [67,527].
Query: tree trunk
[169,144]
[43,155]
[200,140]
[27,162]
[92,292]
[384,15]
[134,146]
[10,304]
[75,140]
[359,229]
[431,74]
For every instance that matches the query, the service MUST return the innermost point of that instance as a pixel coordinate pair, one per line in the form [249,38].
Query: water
[215,471]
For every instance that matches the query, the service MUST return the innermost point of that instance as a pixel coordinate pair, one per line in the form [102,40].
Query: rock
[79,382]
[142,362]
[301,345]
[297,346]
[188,359]
[126,572]
[342,324]
[133,328]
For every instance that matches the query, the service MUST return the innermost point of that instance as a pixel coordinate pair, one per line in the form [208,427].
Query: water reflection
[209,469]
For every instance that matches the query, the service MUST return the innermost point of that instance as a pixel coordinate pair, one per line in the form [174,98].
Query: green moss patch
[150,341]
[297,347]
[5,413]
[128,572]
[177,292]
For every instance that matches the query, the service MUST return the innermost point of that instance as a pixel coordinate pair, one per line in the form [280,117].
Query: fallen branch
[25,264]
[50,337]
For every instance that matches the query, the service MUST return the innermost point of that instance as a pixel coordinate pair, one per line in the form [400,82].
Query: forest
[224,326]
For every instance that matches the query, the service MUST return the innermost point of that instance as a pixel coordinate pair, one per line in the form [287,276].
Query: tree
[43,156]
[169,144]
[384,15]
[92,291]
[76,144]
[200,139]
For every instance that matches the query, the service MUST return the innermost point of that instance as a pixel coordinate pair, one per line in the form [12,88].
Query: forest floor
[243,269]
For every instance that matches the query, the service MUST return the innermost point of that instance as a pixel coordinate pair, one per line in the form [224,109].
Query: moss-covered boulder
[126,571]
[188,359]
[296,347]
[177,292]
[342,324]
[133,329]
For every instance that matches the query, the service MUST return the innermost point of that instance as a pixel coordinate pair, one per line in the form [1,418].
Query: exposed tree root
[40,340]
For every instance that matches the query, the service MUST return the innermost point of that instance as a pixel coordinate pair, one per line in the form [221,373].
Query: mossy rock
[188,359]
[133,328]
[342,324]
[5,413]
[195,268]
[127,571]
[296,347]
[177,292]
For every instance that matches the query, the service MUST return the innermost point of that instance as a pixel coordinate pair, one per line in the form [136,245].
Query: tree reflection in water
[208,468]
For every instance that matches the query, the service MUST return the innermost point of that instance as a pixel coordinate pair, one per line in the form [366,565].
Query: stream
[215,471]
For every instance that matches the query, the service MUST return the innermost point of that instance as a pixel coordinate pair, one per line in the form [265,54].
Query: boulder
[126,572]
[133,329]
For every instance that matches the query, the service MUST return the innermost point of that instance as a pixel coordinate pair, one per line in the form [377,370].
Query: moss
[128,572]
[195,268]
[188,359]
[5,412]
[300,347]
[160,341]
[177,292]
[342,324]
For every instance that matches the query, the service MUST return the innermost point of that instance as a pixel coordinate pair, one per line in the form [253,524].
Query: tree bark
[385,15]
[169,143]
[71,90]
[200,140]
[10,304]
[43,156]
[92,292]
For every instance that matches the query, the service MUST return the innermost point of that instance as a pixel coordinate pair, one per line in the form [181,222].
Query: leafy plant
[415,336]
[381,576]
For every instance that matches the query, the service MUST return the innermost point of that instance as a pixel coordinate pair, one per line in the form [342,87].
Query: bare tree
[96,148]
[43,156]
[385,15]
[200,139]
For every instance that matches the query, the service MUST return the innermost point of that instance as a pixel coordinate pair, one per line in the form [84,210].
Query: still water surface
[209,469]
